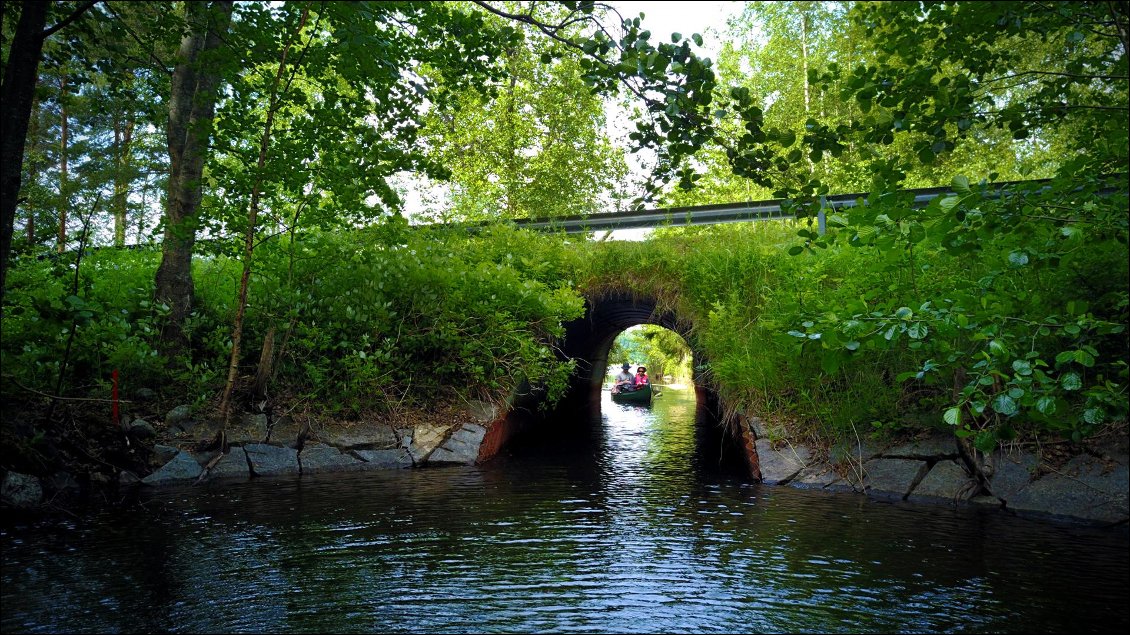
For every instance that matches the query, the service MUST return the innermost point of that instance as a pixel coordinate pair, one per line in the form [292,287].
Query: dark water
[636,529]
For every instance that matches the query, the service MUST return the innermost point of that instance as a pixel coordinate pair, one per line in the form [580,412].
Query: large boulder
[141,430]
[20,490]
[180,418]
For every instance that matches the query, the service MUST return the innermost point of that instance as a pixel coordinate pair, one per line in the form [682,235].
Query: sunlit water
[635,528]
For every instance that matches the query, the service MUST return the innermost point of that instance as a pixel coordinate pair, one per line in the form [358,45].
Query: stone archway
[589,339]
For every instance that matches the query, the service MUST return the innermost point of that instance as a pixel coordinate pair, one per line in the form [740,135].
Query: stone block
[1011,473]
[462,448]
[425,439]
[892,478]
[316,459]
[778,467]
[251,428]
[374,459]
[762,430]
[934,447]
[233,465]
[271,460]
[854,452]
[946,482]
[377,436]
[470,433]
[182,467]
[1086,488]
[285,432]
[815,476]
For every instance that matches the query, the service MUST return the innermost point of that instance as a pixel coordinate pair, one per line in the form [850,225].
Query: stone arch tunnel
[589,339]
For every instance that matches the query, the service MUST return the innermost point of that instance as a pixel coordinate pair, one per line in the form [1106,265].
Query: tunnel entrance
[589,341]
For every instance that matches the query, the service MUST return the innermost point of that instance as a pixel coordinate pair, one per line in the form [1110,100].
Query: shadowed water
[632,528]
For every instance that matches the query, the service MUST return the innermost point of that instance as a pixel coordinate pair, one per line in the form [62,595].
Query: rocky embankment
[1089,484]
[184,450]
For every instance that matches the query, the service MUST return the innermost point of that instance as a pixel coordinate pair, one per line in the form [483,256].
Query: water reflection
[636,526]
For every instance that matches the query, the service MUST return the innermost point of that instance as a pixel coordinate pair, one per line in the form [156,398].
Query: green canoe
[641,396]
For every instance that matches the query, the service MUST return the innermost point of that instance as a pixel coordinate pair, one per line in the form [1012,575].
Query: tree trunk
[35,140]
[266,366]
[16,96]
[804,73]
[64,186]
[192,104]
[123,137]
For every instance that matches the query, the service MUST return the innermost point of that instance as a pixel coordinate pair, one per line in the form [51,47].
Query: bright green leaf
[952,416]
[1071,381]
[1005,405]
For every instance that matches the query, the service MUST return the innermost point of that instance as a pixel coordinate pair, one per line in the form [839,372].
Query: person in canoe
[624,381]
[641,377]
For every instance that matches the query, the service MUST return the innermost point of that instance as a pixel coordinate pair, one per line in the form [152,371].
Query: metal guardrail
[730,212]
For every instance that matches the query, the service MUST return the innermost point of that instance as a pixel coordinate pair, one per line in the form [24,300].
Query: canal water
[634,527]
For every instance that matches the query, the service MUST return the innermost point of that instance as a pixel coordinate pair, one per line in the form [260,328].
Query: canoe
[641,396]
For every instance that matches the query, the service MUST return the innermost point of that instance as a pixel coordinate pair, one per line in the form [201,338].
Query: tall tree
[16,96]
[518,153]
[195,86]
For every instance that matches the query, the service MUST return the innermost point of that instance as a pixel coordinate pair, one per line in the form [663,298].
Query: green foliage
[368,324]
[994,315]
[1000,315]
[417,320]
[116,326]
[518,153]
